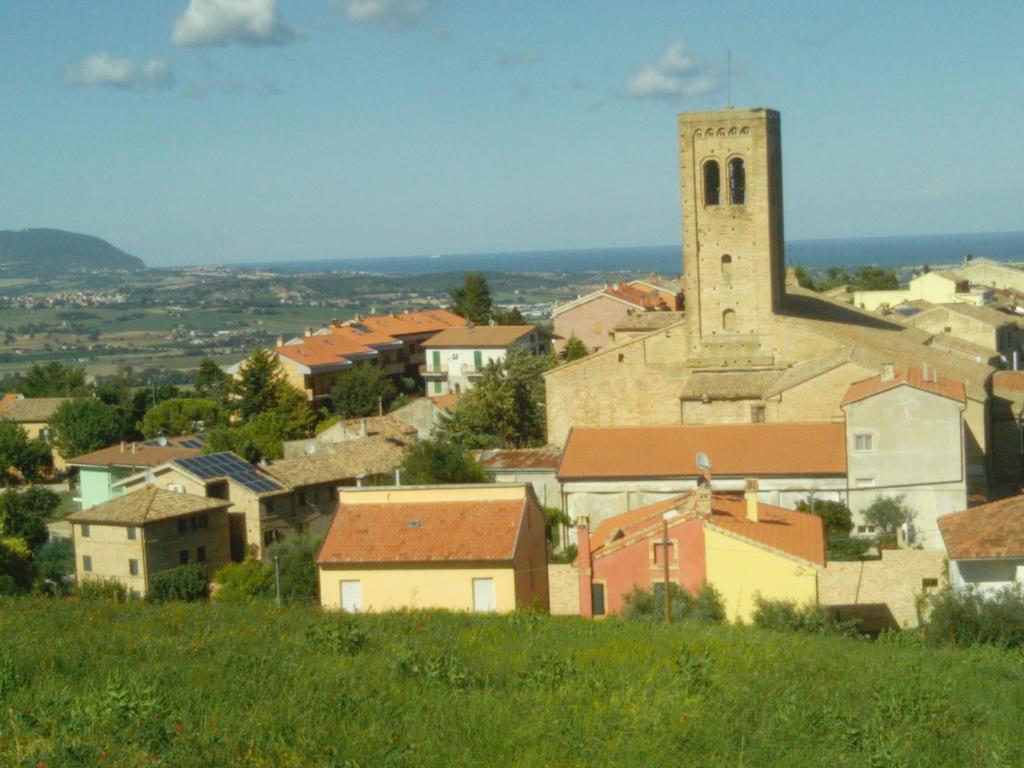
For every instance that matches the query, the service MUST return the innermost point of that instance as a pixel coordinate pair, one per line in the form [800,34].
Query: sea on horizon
[667,259]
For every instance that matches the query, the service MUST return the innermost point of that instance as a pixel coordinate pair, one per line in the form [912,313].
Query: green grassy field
[218,685]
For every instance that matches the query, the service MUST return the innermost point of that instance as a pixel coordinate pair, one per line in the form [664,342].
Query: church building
[755,347]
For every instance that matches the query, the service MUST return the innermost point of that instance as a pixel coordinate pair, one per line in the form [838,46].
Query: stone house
[986,327]
[737,544]
[457,357]
[373,432]
[992,274]
[133,537]
[939,287]
[478,548]
[33,414]
[536,466]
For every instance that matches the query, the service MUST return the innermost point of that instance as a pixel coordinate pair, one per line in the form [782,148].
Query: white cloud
[676,75]
[101,69]
[389,14]
[219,22]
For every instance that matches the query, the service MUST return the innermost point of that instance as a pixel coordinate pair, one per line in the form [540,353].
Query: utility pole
[277,579]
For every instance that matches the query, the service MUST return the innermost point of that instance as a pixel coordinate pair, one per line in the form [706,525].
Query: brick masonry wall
[564,589]
[894,581]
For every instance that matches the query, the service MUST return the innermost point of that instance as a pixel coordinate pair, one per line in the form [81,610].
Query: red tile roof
[738,450]
[464,531]
[1009,380]
[319,351]
[798,534]
[134,455]
[524,458]
[991,530]
[409,323]
[912,377]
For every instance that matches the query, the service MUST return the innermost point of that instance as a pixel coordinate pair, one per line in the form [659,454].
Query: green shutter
[437,360]
[478,359]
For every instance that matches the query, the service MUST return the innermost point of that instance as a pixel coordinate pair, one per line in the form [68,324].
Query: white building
[986,545]
[457,357]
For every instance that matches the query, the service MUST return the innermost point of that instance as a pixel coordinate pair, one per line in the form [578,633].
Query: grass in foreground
[228,685]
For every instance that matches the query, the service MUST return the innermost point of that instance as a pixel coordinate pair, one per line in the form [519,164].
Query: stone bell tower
[730,165]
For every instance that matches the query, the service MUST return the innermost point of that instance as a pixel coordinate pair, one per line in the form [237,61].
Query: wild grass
[136,684]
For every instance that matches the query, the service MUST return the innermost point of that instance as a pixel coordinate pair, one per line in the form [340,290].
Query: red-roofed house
[737,544]
[905,436]
[475,548]
[985,545]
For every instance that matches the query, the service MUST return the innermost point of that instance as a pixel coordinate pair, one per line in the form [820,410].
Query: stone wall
[564,589]
[890,587]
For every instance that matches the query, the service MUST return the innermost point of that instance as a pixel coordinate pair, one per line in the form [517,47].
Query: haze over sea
[665,259]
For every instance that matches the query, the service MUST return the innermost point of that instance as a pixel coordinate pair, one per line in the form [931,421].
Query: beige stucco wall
[164,542]
[591,322]
[917,451]
[741,570]
[962,327]
[819,398]
[390,589]
[993,275]
[564,583]
[895,581]
[719,411]
[34,429]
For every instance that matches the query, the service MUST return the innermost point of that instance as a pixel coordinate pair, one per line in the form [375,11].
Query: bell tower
[730,165]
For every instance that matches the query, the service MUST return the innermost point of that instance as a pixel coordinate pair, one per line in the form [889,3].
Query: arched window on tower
[712,183]
[737,181]
[729,321]
[727,268]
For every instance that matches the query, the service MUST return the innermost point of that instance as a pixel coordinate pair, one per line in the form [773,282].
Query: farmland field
[225,685]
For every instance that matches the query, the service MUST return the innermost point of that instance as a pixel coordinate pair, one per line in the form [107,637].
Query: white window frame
[869,437]
[483,606]
[355,601]
[864,482]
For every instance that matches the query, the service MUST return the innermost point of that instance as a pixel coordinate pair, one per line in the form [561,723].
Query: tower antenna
[728,78]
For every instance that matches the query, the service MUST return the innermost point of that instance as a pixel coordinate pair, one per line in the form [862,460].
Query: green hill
[87,683]
[53,253]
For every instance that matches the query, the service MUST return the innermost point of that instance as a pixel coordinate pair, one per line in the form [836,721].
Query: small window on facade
[182,525]
[929,583]
[712,183]
[204,521]
[86,563]
[727,268]
[85,530]
[659,553]
[268,507]
[201,555]
[193,523]
[133,567]
[865,529]
[757,414]
[863,443]
[729,320]
[864,482]
[597,598]
[621,357]
[737,181]
[131,532]
[183,557]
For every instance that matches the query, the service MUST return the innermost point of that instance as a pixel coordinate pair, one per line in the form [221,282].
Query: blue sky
[214,131]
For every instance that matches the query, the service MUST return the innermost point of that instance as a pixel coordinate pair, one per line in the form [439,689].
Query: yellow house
[33,415]
[478,548]
[133,537]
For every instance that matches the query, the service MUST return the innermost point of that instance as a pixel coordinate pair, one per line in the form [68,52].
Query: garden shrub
[188,583]
[340,633]
[969,617]
[110,590]
[241,582]
[809,618]
[649,604]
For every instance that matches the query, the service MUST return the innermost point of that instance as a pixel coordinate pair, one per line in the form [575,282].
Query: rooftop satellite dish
[162,441]
[310,449]
[150,477]
[703,462]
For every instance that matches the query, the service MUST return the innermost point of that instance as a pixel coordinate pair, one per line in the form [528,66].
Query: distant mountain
[34,253]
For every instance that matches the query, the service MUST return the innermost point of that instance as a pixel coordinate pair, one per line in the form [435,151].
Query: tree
[180,417]
[296,559]
[15,566]
[259,384]
[53,380]
[510,316]
[803,277]
[17,452]
[83,425]
[436,462]
[23,514]
[187,583]
[243,582]
[472,299]
[834,514]
[888,513]
[362,391]
[506,406]
[211,382]
[55,566]
[871,278]
[575,349]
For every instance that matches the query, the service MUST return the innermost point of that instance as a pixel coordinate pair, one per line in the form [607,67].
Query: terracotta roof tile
[28,410]
[911,377]
[335,462]
[449,531]
[738,450]
[146,505]
[795,533]
[1012,381]
[991,530]
[479,336]
[144,455]
[525,458]
[409,323]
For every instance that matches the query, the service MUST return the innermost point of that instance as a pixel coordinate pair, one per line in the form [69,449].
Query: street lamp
[671,514]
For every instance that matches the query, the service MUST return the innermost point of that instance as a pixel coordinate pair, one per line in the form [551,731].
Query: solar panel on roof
[192,442]
[230,466]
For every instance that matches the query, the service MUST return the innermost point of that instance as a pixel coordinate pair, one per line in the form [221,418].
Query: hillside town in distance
[844,446]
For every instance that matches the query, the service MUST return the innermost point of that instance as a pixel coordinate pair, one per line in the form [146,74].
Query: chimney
[123,444]
[362,427]
[702,500]
[750,495]
[359,481]
[309,331]
[888,372]
[925,372]
[135,447]
[280,341]
[582,564]
[264,463]
[398,475]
